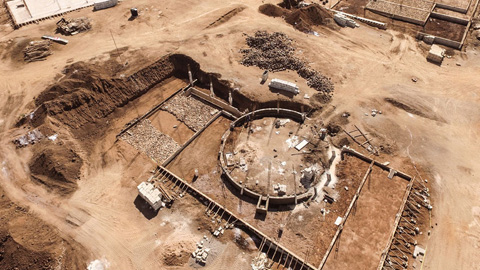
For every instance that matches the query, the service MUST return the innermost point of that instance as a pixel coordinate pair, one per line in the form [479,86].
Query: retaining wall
[452,8]
[449,18]
[214,101]
[442,41]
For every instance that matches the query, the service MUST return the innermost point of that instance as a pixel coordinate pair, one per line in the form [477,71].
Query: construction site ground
[432,123]
[433,26]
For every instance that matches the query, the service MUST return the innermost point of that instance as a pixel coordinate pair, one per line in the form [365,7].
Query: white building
[150,194]
[436,54]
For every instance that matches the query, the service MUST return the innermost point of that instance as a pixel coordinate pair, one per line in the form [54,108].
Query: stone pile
[275,52]
[146,138]
[192,112]
[37,51]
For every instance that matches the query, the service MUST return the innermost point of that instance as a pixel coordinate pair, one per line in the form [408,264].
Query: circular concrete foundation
[262,156]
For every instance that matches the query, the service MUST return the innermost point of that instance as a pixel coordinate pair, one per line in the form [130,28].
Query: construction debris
[201,253]
[30,138]
[275,52]
[343,20]
[37,51]
[260,262]
[280,189]
[192,112]
[73,26]
[146,138]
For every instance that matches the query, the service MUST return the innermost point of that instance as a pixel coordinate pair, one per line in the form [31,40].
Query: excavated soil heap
[56,166]
[26,242]
[304,19]
[272,10]
[86,93]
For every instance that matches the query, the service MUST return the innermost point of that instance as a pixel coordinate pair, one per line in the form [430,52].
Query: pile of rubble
[37,51]
[146,138]
[192,112]
[30,138]
[73,26]
[201,253]
[260,262]
[275,52]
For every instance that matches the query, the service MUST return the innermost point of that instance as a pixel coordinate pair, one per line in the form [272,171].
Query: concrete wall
[214,101]
[456,9]
[442,41]
[449,18]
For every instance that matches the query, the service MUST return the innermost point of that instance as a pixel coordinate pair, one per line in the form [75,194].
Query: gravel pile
[192,112]
[146,138]
[275,52]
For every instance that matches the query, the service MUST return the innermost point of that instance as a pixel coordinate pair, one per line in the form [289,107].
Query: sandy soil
[367,65]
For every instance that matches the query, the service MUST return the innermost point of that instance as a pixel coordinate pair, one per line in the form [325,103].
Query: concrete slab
[24,11]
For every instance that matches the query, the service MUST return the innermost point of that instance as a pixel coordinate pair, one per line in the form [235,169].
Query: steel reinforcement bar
[298,263]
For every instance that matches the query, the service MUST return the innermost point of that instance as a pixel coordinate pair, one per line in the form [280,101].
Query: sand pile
[272,10]
[56,166]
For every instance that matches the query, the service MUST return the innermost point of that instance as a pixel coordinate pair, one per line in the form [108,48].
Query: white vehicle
[284,85]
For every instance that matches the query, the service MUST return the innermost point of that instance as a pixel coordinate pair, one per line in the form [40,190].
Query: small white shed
[436,54]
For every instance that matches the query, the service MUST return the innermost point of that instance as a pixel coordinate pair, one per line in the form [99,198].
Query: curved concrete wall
[271,112]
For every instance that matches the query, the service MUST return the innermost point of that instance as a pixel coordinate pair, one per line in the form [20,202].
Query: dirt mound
[56,166]
[226,17]
[272,10]
[177,254]
[304,19]
[87,93]
[415,108]
[26,242]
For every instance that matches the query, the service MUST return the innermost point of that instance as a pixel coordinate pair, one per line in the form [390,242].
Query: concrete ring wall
[258,114]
